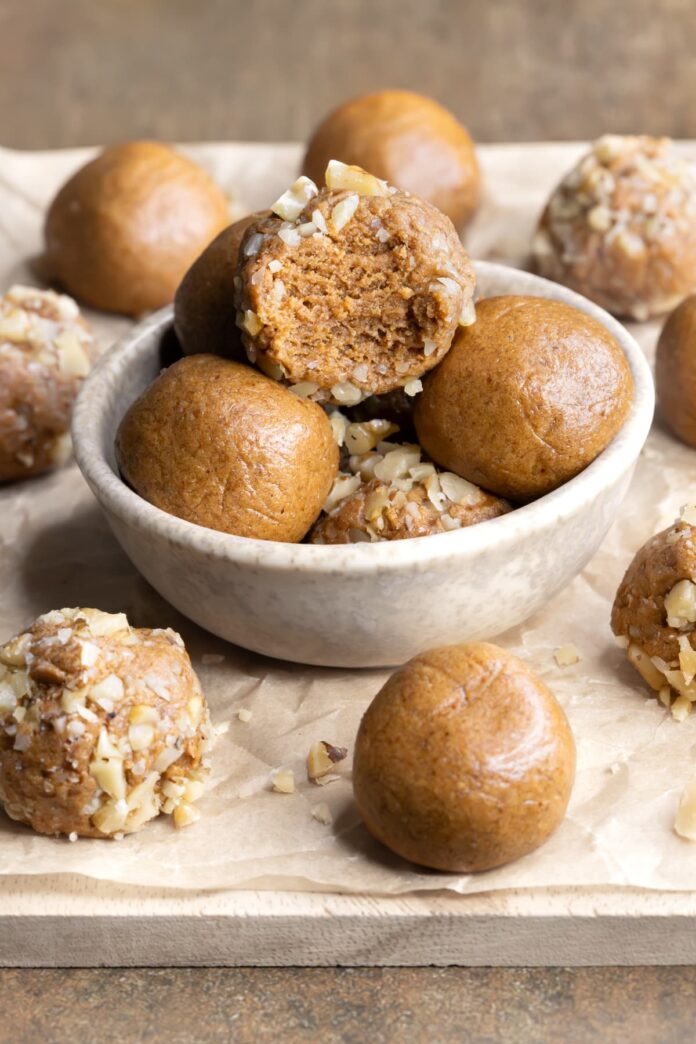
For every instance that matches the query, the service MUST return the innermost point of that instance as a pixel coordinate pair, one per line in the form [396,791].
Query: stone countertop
[75,72]
[382,1005]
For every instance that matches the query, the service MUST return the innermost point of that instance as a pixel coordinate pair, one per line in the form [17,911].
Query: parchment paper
[633,759]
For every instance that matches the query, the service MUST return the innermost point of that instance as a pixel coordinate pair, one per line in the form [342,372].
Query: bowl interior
[124,372]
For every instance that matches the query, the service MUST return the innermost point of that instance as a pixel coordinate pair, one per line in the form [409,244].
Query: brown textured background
[87,71]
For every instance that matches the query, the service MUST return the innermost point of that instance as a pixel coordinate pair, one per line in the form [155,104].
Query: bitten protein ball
[409,141]
[124,229]
[527,397]
[204,312]
[621,227]
[675,372]
[46,350]
[217,443]
[351,291]
[102,726]
[464,760]
[654,613]
[386,492]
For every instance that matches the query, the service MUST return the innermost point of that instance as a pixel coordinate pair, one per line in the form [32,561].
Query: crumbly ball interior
[621,226]
[370,303]
[102,726]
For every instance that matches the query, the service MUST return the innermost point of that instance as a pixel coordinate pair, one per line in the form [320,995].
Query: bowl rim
[387,556]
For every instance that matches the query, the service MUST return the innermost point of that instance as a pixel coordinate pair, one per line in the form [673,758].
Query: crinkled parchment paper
[56,550]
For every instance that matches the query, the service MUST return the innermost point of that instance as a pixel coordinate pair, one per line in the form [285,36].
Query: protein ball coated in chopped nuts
[387,492]
[655,611]
[46,350]
[359,294]
[620,228]
[102,725]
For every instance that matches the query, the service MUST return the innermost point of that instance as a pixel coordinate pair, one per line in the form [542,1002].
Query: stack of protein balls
[339,384]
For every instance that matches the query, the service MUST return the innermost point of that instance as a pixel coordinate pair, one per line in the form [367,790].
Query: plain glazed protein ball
[654,613]
[122,232]
[405,139]
[46,350]
[216,443]
[351,291]
[464,760]
[675,372]
[204,312]
[526,398]
[621,227]
[102,726]
[386,492]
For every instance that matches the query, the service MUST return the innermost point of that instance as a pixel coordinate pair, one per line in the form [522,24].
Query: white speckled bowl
[359,605]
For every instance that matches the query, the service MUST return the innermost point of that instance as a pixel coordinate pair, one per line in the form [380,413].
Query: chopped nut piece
[184,815]
[343,176]
[322,757]
[284,781]
[322,814]
[566,655]
[291,204]
[685,820]
[645,667]
[681,708]
[688,514]
[244,714]
[343,212]
[680,604]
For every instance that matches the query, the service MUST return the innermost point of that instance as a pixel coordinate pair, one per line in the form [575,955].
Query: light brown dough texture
[123,230]
[102,725]
[204,312]
[464,760]
[362,308]
[406,139]
[526,398]
[675,372]
[46,349]
[214,442]
[621,227]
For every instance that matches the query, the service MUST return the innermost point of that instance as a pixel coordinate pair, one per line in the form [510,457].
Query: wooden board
[80,923]
[77,921]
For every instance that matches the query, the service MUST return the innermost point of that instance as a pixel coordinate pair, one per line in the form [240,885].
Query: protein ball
[102,726]
[204,312]
[124,229]
[526,398]
[352,291]
[217,443]
[386,492]
[621,227]
[46,350]
[409,141]
[675,372]
[464,760]
[654,613]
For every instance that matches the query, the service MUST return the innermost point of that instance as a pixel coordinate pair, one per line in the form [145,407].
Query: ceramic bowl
[359,605]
